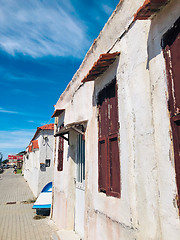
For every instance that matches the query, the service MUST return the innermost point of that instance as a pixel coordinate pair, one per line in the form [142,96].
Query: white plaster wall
[63,207]
[145,209]
[36,178]
[45,152]
[168,211]
[34,172]
[26,165]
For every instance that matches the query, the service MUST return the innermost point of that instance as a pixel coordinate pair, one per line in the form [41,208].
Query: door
[171,45]
[80,186]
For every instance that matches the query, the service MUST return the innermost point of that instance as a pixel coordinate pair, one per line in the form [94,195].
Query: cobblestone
[17,220]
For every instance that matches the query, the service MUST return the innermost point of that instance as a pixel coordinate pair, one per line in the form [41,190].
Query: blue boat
[44,199]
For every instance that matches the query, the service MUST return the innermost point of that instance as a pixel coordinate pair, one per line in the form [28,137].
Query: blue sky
[42,44]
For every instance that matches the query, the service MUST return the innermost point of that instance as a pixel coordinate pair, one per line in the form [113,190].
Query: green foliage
[1,156]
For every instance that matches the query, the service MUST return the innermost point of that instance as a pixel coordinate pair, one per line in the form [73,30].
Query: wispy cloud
[7,111]
[15,139]
[23,92]
[107,9]
[12,142]
[40,28]
[2,110]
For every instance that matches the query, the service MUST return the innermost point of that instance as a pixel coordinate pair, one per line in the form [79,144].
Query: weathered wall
[168,211]
[46,146]
[36,178]
[146,209]
[63,207]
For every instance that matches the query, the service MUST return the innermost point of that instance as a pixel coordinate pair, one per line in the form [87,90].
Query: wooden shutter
[103,114]
[171,47]
[102,162]
[60,153]
[112,108]
[114,167]
[108,149]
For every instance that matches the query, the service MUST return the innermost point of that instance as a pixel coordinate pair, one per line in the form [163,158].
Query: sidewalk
[16,217]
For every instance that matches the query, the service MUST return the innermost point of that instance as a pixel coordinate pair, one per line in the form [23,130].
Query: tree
[1,157]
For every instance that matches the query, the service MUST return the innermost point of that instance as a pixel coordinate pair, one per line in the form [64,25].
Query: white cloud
[2,110]
[107,9]
[12,142]
[15,139]
[40,28]
[7,111]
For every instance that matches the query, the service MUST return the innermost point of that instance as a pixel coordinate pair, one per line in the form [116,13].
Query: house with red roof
[38,160]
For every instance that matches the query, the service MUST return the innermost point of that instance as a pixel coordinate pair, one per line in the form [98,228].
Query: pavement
[17,220]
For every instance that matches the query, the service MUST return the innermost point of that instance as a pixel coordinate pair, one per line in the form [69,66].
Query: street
[17,220]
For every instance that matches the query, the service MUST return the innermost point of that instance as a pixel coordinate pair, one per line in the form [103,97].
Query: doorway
[80,186]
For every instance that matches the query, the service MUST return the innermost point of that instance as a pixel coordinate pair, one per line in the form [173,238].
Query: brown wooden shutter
[103,114]
[114,167]
[171,45]
[102,161]
[113,125]
[60,153]
[108,149]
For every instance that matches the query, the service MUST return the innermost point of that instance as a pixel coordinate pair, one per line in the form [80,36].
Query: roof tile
[149,8]
[100,66]
[30,148]
[35,144]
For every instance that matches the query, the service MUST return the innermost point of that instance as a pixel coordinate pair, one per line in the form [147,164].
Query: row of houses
[38,160]
[115,150]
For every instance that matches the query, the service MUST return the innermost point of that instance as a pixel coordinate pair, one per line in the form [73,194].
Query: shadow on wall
[156,40]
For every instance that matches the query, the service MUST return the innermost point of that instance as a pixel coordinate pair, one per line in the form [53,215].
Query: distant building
[38,160]
[117,161]
[15,160]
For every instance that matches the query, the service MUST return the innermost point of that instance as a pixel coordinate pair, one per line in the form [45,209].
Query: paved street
[16,216]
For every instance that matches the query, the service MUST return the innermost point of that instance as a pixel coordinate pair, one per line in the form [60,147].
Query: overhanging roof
[35,144]
[57,112]
[149,8]
[77,127]
[99,67]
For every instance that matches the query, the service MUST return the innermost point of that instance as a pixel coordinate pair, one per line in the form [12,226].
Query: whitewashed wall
[146,209]
[46,152]
[36,178]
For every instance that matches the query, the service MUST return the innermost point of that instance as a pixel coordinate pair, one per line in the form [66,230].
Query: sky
[42,44]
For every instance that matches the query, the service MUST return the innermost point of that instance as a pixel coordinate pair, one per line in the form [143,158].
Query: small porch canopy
[99,67]
[35,144]
[57,112]
[78,127]
[149,8]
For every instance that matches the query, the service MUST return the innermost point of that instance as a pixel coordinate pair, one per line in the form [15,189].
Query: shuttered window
[80,159]
[108,147]
[60,153]
[171,45]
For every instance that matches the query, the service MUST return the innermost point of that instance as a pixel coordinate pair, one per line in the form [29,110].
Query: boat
[44,199]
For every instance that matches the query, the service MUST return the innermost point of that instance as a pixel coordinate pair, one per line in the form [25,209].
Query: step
[68,235]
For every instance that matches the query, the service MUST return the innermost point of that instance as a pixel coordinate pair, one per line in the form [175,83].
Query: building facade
[38,160]
[116,172]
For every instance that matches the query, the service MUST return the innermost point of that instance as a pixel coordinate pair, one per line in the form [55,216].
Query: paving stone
[17,220]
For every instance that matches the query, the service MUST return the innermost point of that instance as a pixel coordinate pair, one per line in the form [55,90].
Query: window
[60,153]
[108,149]
[171,46]
[48,162]
[80,159]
